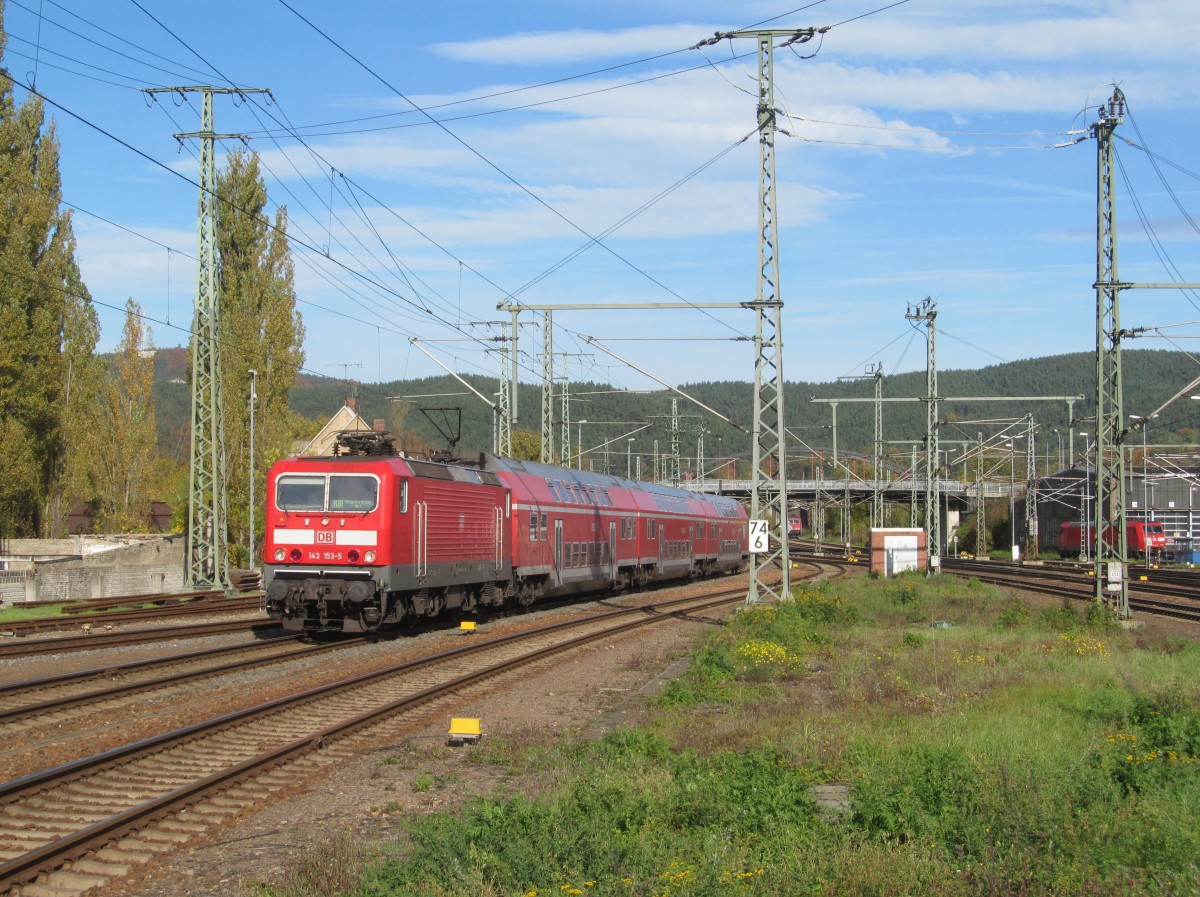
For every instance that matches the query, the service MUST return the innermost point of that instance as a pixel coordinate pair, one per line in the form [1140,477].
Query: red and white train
[1142,538]
[370,538]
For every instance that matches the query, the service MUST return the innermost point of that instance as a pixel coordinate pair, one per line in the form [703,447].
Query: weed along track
[82,824]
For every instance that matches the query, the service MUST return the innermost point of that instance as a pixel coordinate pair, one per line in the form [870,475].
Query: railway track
[53,694]
[1075,583]
[106,813]
[189,604]
[97,640]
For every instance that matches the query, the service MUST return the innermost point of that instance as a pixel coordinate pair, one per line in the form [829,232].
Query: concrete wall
[90,567]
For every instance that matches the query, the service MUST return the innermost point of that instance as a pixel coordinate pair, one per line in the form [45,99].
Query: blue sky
[929,153]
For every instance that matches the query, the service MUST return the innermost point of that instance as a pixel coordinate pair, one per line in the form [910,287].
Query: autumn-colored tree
[261,331]
[123,476]
[47,326]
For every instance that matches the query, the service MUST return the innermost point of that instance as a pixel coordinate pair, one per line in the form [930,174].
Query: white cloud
[574,45]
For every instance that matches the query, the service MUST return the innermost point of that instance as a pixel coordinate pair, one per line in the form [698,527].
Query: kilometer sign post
[759,536]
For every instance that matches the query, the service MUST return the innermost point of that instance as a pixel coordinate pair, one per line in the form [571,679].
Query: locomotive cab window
[356,493]
[300,492]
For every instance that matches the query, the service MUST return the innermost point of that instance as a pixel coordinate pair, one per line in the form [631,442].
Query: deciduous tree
[46,323]
[124,477]
[261,330]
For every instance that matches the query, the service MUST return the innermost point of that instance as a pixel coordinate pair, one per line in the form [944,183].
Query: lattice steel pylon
[206,561]
[926,312]
[981,533]
[1031,490]
[547,452]
[508,349]
[1110,559]
[768,493]
[877,506]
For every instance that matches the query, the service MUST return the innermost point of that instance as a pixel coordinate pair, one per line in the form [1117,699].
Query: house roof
[346,419]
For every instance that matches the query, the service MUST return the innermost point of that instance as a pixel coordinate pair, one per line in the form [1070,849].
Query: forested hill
[1150,378]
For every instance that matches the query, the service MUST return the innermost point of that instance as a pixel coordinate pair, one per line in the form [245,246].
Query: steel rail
[92,641]
[106,618]
[55,853]
[103,694]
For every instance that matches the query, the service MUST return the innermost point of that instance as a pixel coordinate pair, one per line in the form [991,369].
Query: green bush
[1015,613]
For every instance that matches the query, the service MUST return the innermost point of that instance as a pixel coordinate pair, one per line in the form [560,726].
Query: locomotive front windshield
[318,493]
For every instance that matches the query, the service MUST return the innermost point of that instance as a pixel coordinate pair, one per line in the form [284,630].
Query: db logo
[325,538]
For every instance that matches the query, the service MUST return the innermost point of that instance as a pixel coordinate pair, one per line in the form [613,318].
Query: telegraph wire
[355,274]
[1158,171]
[41,18]
[871,13]
[113,35]
[1152,238]
[546,205]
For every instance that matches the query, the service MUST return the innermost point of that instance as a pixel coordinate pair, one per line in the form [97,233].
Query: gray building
[1166,491]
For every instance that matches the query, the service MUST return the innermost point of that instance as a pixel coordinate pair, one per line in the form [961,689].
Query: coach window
[353,492]
[300,492]
[533,526]
[649,528]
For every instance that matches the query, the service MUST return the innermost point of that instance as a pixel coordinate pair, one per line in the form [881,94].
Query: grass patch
[15,613]
[982,747]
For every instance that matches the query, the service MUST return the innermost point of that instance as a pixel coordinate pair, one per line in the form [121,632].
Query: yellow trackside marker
[467,626]
[1143,578]
[464,729]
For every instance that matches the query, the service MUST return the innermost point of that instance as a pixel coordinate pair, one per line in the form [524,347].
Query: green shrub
[920,791]
[1015,613]
[1064,618]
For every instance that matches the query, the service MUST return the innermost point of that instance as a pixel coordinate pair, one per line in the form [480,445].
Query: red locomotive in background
[1142,538]
[369,537]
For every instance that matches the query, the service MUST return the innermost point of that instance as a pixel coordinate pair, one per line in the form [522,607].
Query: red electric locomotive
[368,537]
[1142,538]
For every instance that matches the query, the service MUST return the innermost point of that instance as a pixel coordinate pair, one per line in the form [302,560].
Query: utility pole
[768,493]
[674,441]
[547,387]
[981,535]
[877,514]
[1031,519]
[501,410]
[564,453]
[926,312]
[1111,561]
[508,367]
[874,372]
[206,564]
[1110,417]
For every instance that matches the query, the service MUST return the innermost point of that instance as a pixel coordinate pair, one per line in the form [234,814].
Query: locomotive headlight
[280,554]
[369,557]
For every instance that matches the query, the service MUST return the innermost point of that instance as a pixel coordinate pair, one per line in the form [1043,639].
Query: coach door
[499,537]
[558,552]
[612,549]
[421,539]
